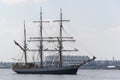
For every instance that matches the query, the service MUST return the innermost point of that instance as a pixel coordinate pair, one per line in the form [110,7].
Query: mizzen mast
[25,45]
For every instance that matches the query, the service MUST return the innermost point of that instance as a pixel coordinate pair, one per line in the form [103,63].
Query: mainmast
[60,41]
[41,38]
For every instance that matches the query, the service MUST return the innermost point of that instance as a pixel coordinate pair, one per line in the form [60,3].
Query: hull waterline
[63,70]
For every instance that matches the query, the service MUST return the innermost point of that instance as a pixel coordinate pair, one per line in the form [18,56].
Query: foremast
[41,41]
[60,39]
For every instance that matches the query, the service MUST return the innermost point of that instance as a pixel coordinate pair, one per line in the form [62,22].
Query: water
[8,74]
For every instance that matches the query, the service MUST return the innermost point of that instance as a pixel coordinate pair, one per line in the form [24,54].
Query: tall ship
[40,67]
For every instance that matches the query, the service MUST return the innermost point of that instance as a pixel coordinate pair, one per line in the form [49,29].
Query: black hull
[63,70]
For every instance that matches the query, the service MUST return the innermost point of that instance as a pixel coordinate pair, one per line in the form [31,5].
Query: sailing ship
[33,68]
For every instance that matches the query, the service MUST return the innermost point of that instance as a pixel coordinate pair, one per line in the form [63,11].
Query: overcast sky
[94,23]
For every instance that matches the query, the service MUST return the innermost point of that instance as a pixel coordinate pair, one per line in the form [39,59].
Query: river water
[8,74]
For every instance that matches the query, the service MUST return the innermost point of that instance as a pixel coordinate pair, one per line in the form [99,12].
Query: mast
[25,46]
[60,39]
[41,41]
[41,38]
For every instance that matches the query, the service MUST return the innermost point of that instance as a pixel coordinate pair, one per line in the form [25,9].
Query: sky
[94,23]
